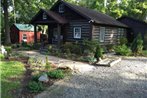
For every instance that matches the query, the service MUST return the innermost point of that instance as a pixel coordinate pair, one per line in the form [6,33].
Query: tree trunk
[6,22]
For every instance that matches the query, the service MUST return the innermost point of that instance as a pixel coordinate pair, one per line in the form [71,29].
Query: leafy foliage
[57,74]
[89,59]
[72,48]
[98,53]
[47,65]
[36,77]
[35,87]
[8,49]
[123,41]
[137,45]
[122,50]
[2,56]
[89,45]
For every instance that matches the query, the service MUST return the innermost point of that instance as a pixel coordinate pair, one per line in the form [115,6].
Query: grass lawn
[11,74]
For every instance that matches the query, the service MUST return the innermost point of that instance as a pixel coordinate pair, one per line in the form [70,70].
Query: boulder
[43,78]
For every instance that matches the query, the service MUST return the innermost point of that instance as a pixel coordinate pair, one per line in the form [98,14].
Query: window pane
[77,32]
[24,36]
[61,8]
[102,34]
[44,16]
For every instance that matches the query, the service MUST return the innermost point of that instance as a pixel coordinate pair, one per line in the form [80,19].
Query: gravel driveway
[127,79]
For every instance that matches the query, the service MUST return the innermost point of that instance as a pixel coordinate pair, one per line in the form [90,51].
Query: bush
[35,87]
[137,45]
[36,77]
[72,48]
[8,49]
[47,65]
[123,41]
[24,44]
[122,50]
[89,59]
[89,45]
[99,52]
[109,48]
[2,56]
[57,74]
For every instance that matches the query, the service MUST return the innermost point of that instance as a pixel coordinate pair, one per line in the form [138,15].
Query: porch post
[35,34]
[59,33]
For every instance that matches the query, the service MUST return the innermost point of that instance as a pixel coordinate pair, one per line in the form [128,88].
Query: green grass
[11,74]
[145,53]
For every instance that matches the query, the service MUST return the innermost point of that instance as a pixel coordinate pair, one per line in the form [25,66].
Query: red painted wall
[16,35]
[30,36]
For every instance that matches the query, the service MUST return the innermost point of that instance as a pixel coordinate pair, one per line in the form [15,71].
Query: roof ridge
[94,13]
[90,9]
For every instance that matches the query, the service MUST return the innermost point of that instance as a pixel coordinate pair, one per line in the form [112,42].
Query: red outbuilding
[23,32]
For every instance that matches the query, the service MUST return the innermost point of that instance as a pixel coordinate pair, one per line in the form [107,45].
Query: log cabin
[135,27]
[69,23]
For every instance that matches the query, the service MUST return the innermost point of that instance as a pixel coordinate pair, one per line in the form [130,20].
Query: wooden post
[35,34]
[59,33]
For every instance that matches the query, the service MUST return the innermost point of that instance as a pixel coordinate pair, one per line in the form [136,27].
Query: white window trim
[102,34]
[61,8]
[44,16]
[24,35]
[75,36]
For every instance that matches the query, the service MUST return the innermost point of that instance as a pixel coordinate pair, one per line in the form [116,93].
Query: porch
[56,26]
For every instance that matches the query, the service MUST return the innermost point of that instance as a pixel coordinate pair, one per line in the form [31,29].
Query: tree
[6,21]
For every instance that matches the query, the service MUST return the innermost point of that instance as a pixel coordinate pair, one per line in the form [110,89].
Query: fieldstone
[43,78]
[3,50]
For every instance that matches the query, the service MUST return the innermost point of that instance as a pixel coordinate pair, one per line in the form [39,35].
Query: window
[24,37]
[44,16]
[61,8]
[77,32]
[120,32]
[102,34]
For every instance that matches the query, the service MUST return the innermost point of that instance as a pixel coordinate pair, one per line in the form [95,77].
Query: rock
[43,78]
[3,50]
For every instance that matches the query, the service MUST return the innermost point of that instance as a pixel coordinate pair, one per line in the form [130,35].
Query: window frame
[61,8]
[44,16]
[74,31]
[102,34]
[24,39]
[121,32]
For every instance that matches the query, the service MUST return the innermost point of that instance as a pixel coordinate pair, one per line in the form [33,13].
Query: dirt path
[128,79]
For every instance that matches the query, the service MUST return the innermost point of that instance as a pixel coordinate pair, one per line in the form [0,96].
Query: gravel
[127,79]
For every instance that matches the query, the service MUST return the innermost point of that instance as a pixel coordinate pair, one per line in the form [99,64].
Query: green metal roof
[24,27]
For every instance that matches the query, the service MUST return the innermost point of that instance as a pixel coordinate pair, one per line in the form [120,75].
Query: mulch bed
[23,92]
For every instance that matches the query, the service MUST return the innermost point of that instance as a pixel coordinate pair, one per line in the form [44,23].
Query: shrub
[8,49]
[47,65]
[137,45]
[89,45]
[36,46]
[35,87]
[57,74]
[122,50]
[109,48]
[2,56]
[72,48]
[24,44]
[98,53]
[89,59]
[36,77]
[123,41]
[50,48]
